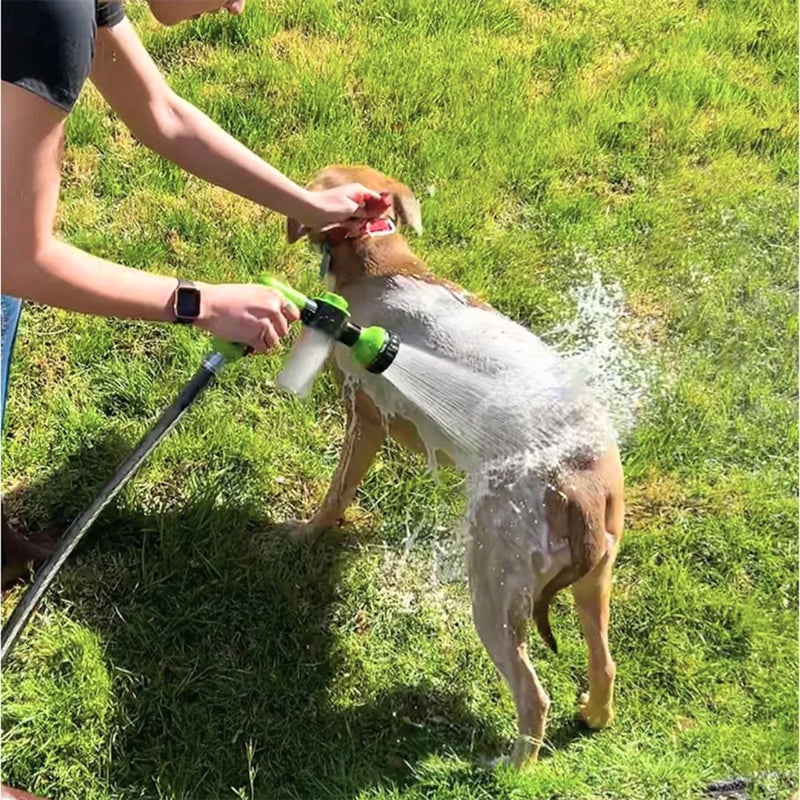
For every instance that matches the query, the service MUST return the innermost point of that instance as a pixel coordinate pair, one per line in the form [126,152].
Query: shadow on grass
[224,640]
[562,734]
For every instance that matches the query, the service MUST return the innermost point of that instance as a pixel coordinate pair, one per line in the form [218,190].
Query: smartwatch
[186,302]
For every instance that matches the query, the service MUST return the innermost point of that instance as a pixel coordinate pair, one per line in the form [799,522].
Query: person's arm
[133,86]
[37,266]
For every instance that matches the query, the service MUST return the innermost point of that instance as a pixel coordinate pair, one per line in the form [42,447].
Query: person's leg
[11,310]
[17,551]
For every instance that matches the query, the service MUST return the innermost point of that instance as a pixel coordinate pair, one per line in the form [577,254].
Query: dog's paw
[525,754]
[593,715]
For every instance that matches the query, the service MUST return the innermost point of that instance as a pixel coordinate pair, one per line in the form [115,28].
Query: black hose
[69,541]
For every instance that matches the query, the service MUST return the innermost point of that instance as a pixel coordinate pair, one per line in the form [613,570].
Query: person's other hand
[249,314]
[336,205]
[170,12]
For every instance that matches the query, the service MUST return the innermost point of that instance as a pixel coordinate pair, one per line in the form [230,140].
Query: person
[49,49]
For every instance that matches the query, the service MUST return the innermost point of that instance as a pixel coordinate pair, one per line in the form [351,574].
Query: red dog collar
[383,226]
[360,229]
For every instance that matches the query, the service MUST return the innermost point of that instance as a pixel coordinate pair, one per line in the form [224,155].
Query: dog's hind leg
[591,594]
[501,626]
[363,438]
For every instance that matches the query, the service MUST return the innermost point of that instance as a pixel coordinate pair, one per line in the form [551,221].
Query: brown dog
[530,533]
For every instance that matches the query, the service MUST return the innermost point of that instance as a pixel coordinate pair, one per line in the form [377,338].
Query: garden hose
[373,348]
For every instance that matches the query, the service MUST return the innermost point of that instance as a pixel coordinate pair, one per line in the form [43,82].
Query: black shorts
[48,45]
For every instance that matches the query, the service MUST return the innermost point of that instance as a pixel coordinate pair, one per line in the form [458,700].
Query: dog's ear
[407,206]
[294,230]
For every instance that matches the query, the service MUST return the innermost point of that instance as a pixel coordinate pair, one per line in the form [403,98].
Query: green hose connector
[230,351]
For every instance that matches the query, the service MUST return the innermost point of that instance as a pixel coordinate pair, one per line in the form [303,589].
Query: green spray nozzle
[374,348]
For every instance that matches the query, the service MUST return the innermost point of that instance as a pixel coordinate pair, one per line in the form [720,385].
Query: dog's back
[531,400]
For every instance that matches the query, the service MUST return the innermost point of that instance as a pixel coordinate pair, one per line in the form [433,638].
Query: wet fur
[583,502]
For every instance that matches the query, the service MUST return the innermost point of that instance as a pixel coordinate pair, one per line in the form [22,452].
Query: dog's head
[404,208]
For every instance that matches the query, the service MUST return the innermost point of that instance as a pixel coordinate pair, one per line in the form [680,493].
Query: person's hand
[249,314]
[170,12]
[336,205]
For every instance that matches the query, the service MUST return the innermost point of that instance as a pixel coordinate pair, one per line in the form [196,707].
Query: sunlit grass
[189,650]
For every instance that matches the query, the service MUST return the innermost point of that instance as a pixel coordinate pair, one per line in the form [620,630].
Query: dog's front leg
[363,438]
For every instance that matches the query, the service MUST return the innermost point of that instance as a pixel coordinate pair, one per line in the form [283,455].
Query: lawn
[189,650]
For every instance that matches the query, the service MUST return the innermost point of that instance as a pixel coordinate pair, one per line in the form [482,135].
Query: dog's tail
[541,607]
[576,507]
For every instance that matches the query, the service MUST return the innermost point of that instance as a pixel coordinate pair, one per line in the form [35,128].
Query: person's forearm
[63,276]
[191,140]
[56,274]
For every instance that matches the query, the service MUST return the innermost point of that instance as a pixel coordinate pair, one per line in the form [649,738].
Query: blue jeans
[9,320]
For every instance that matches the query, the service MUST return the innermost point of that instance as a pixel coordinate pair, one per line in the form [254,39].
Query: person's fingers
[373,204]
[278,321]
[290,311]
[360,195]
[264,336]
[360,199]
[269,337]
[258,347]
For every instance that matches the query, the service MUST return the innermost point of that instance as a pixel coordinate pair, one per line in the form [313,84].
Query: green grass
[190,651]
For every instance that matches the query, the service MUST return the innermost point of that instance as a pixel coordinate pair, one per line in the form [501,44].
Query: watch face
[187,302]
